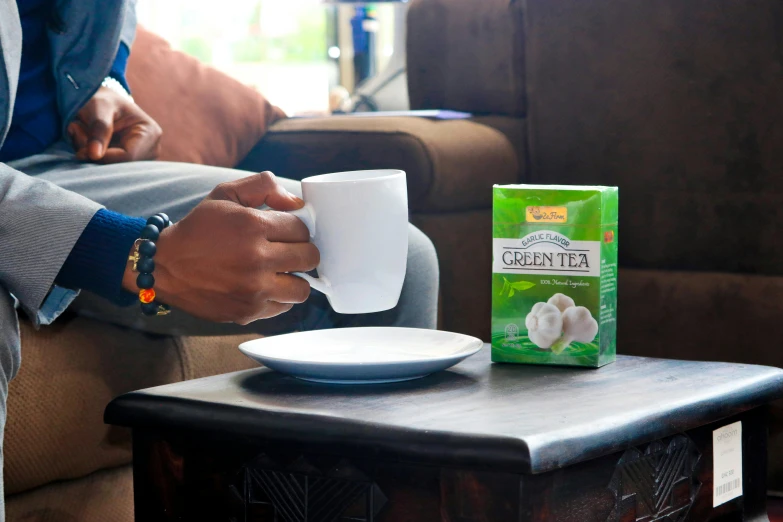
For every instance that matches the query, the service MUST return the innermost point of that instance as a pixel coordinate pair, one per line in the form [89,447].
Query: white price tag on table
[726,463]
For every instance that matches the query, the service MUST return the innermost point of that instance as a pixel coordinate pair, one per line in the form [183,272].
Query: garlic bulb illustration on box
[559,322]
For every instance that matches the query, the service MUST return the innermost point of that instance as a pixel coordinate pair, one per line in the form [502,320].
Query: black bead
[145,281]
[157,221]
[147,248]
[165,218]
[149,308]
[150,232]
[145,265]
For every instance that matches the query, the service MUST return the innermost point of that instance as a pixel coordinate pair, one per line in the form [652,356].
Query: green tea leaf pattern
[522,285]
[512,288]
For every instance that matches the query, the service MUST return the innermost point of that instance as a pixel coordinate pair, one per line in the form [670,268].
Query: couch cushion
[70,371]
[678,103]
[207,117]
[103,496]
[451,165]
[700,315]
[467,55]
[464,244]
[706,316]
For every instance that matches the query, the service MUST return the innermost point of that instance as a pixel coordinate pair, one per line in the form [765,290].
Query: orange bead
[147,296]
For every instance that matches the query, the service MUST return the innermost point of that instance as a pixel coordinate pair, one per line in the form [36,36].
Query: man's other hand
[226,261]
[110,128]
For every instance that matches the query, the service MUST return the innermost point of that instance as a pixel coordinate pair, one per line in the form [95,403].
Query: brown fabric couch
[62,463]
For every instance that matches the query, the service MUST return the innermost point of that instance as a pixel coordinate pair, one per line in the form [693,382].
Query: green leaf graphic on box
[512,288]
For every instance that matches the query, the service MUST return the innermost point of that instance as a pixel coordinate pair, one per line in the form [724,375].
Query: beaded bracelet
[143,251]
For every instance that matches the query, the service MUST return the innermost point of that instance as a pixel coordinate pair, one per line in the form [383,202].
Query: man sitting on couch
[62,74]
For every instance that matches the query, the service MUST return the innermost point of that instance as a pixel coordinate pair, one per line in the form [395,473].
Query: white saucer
[362,355]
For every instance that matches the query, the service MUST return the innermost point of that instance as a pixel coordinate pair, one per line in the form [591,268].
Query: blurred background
[296,52]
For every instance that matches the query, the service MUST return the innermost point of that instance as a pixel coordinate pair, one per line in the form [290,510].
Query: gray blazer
[40,222]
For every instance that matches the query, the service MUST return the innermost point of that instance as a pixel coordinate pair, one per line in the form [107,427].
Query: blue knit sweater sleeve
[97,261]
[120,64]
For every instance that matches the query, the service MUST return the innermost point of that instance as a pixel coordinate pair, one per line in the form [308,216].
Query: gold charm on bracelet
[135,255]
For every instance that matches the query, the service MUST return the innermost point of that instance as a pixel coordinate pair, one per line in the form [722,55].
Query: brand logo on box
[546,214]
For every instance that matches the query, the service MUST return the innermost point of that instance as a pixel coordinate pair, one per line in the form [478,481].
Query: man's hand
[228,262]
[110,128]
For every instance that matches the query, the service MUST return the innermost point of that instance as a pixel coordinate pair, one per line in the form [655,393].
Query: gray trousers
[145,188]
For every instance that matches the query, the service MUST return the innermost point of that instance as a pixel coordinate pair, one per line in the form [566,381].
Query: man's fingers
[142,145]
[256,191]
[290,257]
[100,134]
[271,309]
[78,136]
[289,289]
[276,309]
[284,228]
[116,155]
[140,140]
[133,148]
[135,143]
[99,120]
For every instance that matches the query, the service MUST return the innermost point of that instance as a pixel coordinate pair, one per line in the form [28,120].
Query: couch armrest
[451,165]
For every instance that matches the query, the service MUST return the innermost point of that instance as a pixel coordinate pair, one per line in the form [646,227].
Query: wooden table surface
[525,419]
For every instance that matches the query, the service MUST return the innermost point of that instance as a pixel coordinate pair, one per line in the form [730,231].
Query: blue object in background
[363,44]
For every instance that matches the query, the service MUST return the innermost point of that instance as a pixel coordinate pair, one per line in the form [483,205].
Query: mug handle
[307,215]
[319,283]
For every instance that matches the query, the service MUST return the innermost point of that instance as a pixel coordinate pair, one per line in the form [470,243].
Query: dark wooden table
[632,441]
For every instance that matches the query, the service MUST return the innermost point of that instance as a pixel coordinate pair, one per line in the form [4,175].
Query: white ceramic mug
[359,222]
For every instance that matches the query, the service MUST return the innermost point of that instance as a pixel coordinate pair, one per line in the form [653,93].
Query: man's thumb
[100,125]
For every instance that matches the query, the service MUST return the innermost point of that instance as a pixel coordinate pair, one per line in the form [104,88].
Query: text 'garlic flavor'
[554,274]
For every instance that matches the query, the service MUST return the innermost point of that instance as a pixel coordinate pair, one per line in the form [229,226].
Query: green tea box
[554,274]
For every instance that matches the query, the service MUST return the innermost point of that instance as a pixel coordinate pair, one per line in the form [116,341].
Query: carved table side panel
[670,480]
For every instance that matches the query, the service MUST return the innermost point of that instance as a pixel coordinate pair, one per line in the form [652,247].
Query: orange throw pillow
[207,117]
